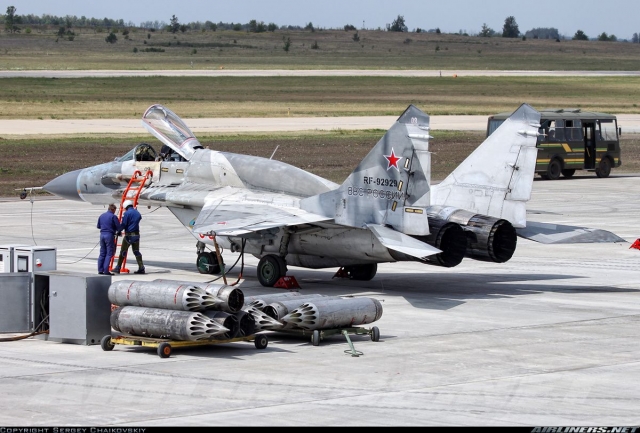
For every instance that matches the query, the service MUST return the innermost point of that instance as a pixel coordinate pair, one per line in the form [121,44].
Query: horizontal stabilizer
[546,233]
[400,242]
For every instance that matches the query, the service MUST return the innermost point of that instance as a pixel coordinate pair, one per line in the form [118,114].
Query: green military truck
[572,139]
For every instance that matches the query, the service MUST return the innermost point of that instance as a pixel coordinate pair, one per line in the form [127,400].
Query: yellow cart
[165,347]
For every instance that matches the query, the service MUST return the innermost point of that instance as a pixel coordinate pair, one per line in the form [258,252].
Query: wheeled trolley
[165,347]
[318,335]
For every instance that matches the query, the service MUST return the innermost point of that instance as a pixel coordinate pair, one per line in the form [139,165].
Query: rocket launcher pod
[261,301]
[247,324]
[279,309]
[334,313]
[227,320]
[160,294]
[226,298]
[262,321]
[160,323]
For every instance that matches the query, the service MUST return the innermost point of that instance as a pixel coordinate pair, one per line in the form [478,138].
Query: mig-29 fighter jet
[385,211]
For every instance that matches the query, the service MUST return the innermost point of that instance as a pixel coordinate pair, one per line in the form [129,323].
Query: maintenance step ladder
[132,192]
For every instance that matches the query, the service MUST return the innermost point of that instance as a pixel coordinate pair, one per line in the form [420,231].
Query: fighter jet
[386,210]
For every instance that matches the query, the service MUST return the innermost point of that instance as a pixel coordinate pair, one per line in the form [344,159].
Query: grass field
[336,49]
[33,162]
[128,97]
[333,155]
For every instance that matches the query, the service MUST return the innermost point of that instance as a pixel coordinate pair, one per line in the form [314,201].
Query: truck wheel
[604,168]
[553,170]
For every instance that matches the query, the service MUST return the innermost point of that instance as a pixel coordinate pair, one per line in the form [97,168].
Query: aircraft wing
[547,233]
[398,241]
[234,219]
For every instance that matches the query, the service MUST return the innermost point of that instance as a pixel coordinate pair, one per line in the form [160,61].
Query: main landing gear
[270,269]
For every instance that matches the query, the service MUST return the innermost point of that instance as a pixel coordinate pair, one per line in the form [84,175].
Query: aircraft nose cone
[65,186]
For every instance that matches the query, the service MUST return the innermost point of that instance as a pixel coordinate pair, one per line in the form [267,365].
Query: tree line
[12,22]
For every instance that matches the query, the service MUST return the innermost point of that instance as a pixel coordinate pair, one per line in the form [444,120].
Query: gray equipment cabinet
[79,307]
[15,302]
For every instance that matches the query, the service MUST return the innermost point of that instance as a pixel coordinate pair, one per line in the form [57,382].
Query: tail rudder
[496,179]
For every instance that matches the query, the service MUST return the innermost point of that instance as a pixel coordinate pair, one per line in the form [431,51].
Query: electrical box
[78,305]
[34,258]
[6,258]
[15,305]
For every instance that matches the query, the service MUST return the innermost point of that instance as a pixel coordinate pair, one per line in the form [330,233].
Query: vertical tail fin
[388,192]
[390,186]
[497,178]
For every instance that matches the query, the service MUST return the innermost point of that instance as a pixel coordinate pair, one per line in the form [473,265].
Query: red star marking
[393,160]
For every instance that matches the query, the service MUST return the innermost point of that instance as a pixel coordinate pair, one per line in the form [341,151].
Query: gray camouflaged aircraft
[385,211]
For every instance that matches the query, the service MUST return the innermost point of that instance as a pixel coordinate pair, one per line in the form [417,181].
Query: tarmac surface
[549,338]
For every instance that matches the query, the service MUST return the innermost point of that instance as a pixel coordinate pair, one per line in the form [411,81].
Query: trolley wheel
[164,350]
[106,343]
[375,334]
[315,338]
[261,341]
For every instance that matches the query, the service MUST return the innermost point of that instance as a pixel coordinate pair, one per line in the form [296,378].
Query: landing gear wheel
[261,341]
[568,172]
[164,350]
[362,272]
[207,263]
[269,270]
[553,170]
[375,334]
[604,168]
[315,338]
[283,266]
[106,343]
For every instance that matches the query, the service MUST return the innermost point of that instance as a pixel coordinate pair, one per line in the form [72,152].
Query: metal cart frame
[165,347]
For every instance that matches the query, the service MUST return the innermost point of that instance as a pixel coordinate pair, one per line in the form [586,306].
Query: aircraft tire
[363,272]
[207,263]
[283,266]
[269,270]
[568,172]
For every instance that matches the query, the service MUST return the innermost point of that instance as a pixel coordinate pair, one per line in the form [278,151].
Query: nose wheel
[207,263]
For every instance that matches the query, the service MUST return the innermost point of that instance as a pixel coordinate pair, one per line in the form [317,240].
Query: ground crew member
[109,225]
[131,226]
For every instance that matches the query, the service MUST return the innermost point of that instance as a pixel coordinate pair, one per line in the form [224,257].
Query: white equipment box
[34,258]
[6,258]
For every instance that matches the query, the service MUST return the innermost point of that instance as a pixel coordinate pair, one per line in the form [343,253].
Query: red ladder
[137,182]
